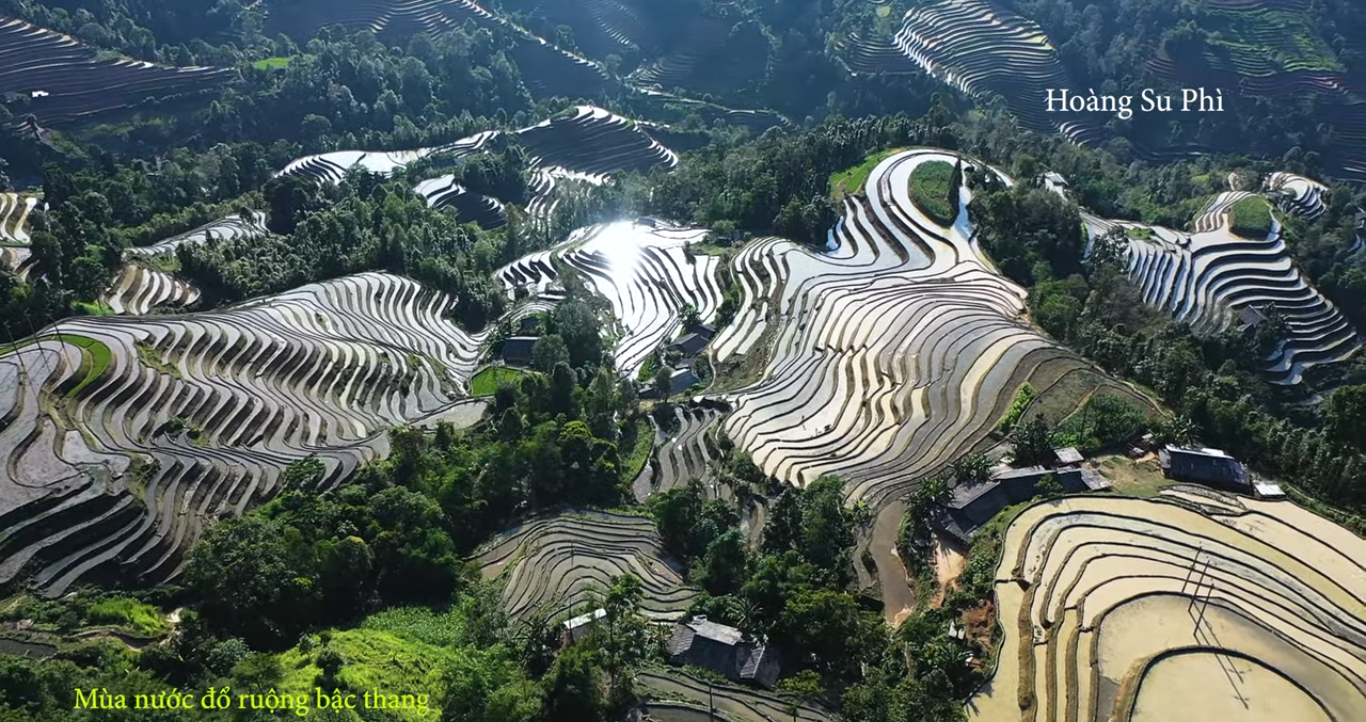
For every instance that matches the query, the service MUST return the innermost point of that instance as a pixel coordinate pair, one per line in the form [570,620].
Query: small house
[1267,490]
[577,628]
[1068,456]
[681,380]
[528,325]
[517,350]
[724,650]
[1203,466]
[1054,179]
[1250,318]
[969,506]
[690,345]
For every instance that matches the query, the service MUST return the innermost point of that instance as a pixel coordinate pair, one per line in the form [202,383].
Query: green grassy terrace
[128,613]
[640,441]
[486,382]
[852,180]
[276,63]
[95,356]
[1250,218]
[930,191]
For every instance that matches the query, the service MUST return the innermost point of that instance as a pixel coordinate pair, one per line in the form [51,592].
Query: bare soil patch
[1134,477]
[949,562]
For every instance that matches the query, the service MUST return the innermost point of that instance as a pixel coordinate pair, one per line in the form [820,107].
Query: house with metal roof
[1204,466]
[575,629]
[970,506]
[724,650]
[516,350]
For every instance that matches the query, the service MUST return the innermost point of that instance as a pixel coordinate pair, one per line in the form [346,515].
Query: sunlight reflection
[619,245]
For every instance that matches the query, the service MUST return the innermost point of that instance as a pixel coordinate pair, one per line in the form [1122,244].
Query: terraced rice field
[546,67]
[137,290]
[682,455]
[980,49]
[229,228]
[594,141]
[585,144]
[641,269]
[1193,605]
[675,695]
[15,254]
[888,356]
[709,54]
[58,79]
[332,167]
[1203,278]
[304,18]
[469,206]
[1274,50]
[125,436]
[14,212]
[556,565]
[1297,194]
[603,27]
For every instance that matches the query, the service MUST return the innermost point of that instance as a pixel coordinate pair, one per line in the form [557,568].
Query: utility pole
[37,339]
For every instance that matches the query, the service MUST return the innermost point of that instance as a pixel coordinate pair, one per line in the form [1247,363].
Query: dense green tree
[1344,416]
[827,538]
[724,567]
[253,580]
[662,383]
[290,198]
[572,689]
[549,352]
[830,627]
[1033,442]
[623,637]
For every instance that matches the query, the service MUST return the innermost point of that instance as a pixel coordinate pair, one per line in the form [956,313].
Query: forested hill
[1282,66]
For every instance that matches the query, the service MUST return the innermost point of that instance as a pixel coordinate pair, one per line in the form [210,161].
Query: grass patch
[1250,218]
[92,309]
[374,659]
[852,180]
[420,624]
[647,371]
[95,358]
[1023,397]
[640,439]
[150,357]
[1142,478]
[933,192]
[747,368]
[142,618]
[1265,42]
[1106,419]
[168,263]
[275,63]
[486,382]
[1058,401]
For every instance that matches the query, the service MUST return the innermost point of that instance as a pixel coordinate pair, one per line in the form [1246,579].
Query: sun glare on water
[619,244]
